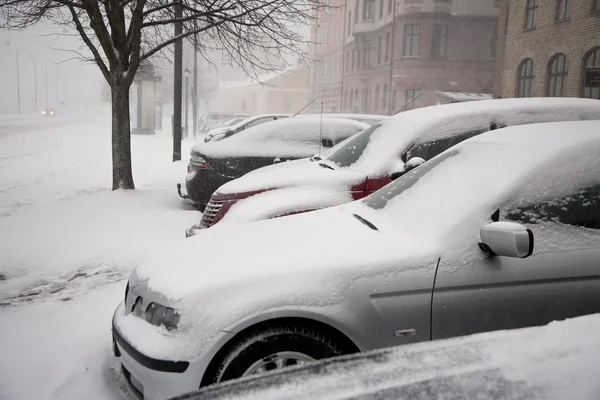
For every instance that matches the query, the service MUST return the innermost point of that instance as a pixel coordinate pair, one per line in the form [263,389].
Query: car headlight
[44,112]
[158,315]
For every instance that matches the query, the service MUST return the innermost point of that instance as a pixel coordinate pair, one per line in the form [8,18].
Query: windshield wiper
[326,166]
[364,221]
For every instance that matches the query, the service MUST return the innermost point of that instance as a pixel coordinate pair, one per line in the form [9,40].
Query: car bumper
[200,184]
[151,378]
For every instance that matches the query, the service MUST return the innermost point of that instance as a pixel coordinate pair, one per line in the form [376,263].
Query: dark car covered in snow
[214,163]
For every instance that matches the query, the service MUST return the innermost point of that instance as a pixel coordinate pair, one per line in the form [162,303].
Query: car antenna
[321,131]
[303,108]
[409,103]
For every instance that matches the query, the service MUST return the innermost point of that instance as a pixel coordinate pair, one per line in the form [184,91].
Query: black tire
[262,343]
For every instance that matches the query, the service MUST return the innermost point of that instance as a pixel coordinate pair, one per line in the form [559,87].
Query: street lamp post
[187,97]
[18,87]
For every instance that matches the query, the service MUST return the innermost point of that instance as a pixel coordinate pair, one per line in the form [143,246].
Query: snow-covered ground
[66,245]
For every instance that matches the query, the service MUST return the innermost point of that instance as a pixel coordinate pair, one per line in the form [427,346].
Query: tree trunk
[121,137]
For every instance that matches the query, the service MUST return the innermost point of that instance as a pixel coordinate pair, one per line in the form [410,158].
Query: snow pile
[533,363]
[292,137]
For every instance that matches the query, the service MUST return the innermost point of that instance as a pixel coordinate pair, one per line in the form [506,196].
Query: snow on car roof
[531,363]
[299,136]
[463,185]
[392,137]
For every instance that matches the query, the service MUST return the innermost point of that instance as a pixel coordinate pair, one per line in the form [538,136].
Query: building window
[379,49]
[376,99]
[387,47]
[393,101]
[596,5]
[384,95]
[368,9]
[440,41]
[352,64]
[410,98]
[591,75]
[380,9]
[367,53]
[411,40]
[325,34]
[563,10]
[356,5]
[525,81]
[349,23]
[558,69]
[390,6]
[506,19]
[531,10]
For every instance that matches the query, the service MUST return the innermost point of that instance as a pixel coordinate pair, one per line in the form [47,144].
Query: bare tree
[122,33]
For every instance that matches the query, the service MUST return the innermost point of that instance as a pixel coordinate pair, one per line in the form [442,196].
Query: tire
[272,348]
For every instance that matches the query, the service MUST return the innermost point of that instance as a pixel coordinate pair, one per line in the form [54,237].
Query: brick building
[376,56]
[549,48]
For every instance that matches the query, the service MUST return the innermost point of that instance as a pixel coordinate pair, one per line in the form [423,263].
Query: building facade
[549,48]
[379,56]
[285,91]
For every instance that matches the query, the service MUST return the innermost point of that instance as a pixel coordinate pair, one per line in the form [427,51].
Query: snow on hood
[306,261]
[395,135]
[293,137]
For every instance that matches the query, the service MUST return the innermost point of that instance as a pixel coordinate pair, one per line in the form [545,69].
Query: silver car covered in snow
[445,250]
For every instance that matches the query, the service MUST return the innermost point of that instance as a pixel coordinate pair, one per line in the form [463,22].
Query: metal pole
[18,87]
[195,92]
[35,86]
[343,55]
[392,58]
[314,68]
[46,90]
[187,97]
[177,81]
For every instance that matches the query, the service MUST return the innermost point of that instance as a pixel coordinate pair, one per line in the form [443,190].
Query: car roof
[396,134]
[530,363]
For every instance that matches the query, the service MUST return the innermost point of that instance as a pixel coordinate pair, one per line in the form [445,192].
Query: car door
[561,279]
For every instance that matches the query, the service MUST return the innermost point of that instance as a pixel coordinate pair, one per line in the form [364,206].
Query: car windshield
[348,153]
[380,198]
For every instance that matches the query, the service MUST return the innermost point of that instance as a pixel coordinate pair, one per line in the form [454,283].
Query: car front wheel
[271,348]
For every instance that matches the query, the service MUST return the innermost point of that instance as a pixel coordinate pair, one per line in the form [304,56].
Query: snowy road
[27,124]
[67,244]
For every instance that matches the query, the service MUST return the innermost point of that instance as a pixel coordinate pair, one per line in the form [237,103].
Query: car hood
[222,276]
[298,173]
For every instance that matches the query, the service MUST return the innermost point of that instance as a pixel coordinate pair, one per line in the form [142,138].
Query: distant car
[446,250]
[375,157]
[49,112]
[227,131]
[214,163]
[212,118]
[531,363]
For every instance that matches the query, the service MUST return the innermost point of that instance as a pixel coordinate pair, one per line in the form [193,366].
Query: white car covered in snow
[445,250]
[373,158]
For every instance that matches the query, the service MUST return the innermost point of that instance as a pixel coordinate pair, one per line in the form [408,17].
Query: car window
[349,153]
[258,122]
[430,149]
[581,209]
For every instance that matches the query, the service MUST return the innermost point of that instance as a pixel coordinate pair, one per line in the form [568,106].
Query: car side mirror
[507,239]
[407,166]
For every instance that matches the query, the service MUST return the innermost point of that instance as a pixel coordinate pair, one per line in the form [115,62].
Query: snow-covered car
[227,131]
[373,158]
[445,250]
[222,124]
[552,362]
[212,118]
[214,163]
